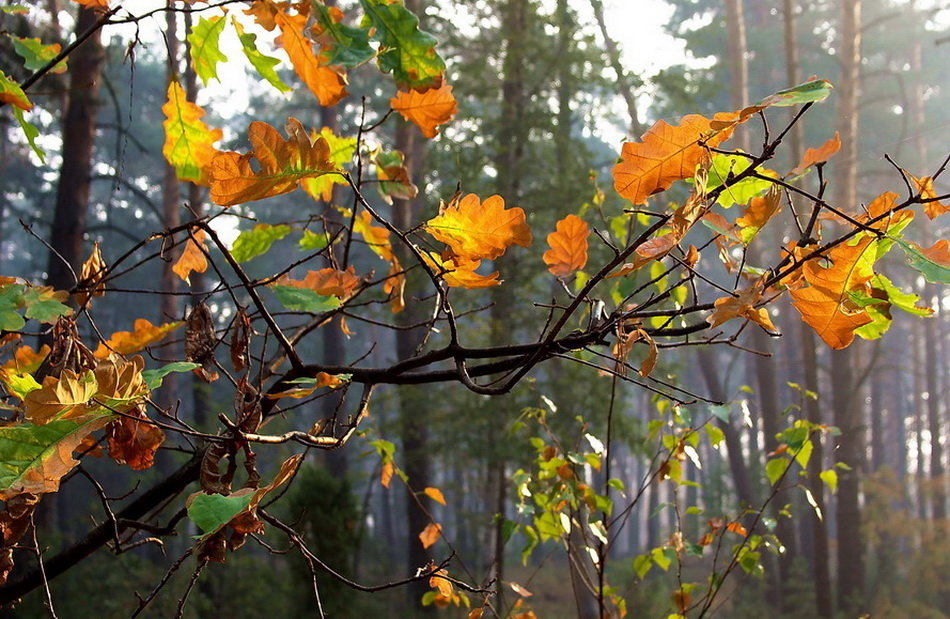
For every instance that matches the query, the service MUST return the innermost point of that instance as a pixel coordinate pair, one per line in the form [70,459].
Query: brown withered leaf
[134,441]
[200,342]
[192,259]
[91,282]
[14,522]
[240,340]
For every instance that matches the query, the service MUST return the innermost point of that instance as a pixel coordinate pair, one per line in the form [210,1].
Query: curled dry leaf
[743,305]
[133,440]
[431,534]
[568,245]
[14,522]
[200,342]
[91,282]
[240,340]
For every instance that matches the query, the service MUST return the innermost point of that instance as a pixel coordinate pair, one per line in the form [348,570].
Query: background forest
[547,92]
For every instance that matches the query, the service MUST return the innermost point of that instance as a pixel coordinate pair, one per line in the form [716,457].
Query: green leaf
[807,92]
[350,46]
[43,306]
[933,272]
[256,241]
[404,50]
[775,468]
[14,9]
[661,558]
[530,544]
[830,479]
[212,511]
[10,92]
[803,455]
[36,54]
[721,411]
[34,458]
[265,65]
[31,133]
[20,384]
[740,193]
[154,378]
[313,241]
[204,40]
[642,565]
[304,299]
[715,435]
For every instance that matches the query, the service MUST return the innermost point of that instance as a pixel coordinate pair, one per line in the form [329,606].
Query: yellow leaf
[431,534]
[568,244]
[435,494]
[427,110]
[66,397]
[283,164]
[325,82]
[341,152]
[119,382]
[143,333]
[188,140]
[458,272]
[376,237]
[192,257]
[440,581]
[475,230]
[666,153]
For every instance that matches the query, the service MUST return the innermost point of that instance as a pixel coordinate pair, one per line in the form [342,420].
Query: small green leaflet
[264,64]
[204,45]
[154,378]
[313,241]
[404,50]
[830,477]
[884,295]
[42,305]
[808,92]
[304,299]
[36,54]
[10,319]
[350,46]
[20,384]
[739,193]
[211,512]
[31,133]
[309,380]
[933,272]
[14,9]
[256,241]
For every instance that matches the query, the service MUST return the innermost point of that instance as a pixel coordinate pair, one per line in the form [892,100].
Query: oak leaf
[457,272]
[825,304]
[326,282]
[192,259]
[133,439]
[341,152]
[742,305]
[283,164]
[925,185]
[65,397]
[327,83]
[666,153]
[143,334]
[760,210]
[568,245]
[823,153]
[427,110]
[475,230]
[188,140]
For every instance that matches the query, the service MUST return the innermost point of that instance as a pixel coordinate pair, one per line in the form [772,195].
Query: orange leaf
[667,153]
[568,244]
[395,287]
[818,155]
[26,360]
[192,257]
[476,229]
[325,82]
[430,534]
[90,280]
[440,581]
[386,473]
[743,305]
[824,304]
[376,237]
[925,185]
[760,210]
[427,110]
[938,253]
[94,4]
[66,397]
[737,528]
[326,282]
[458,272]
[283,164]
[143,334]
[435,494]
[322,379]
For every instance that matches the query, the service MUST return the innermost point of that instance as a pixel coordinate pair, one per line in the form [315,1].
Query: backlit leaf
[192,259]
[304,300]
[759,212]
[45,304]
[665,154]
[256,241]
[328,84]
[475,230]
[427,110]
[568,245]
[30,132]
[36,54]
[344,45]
[394,180]
[33,458]
[204,47]
[327,282]
[65,397]
[265,65]
[283,164]
[435,494]
[143,334]
[10,92]
[933,263]
[814,156]
[925,185]
[188,140]
[431,534]
[722,168]
[90,278]
[341,153]
[405,51]
[458,272]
